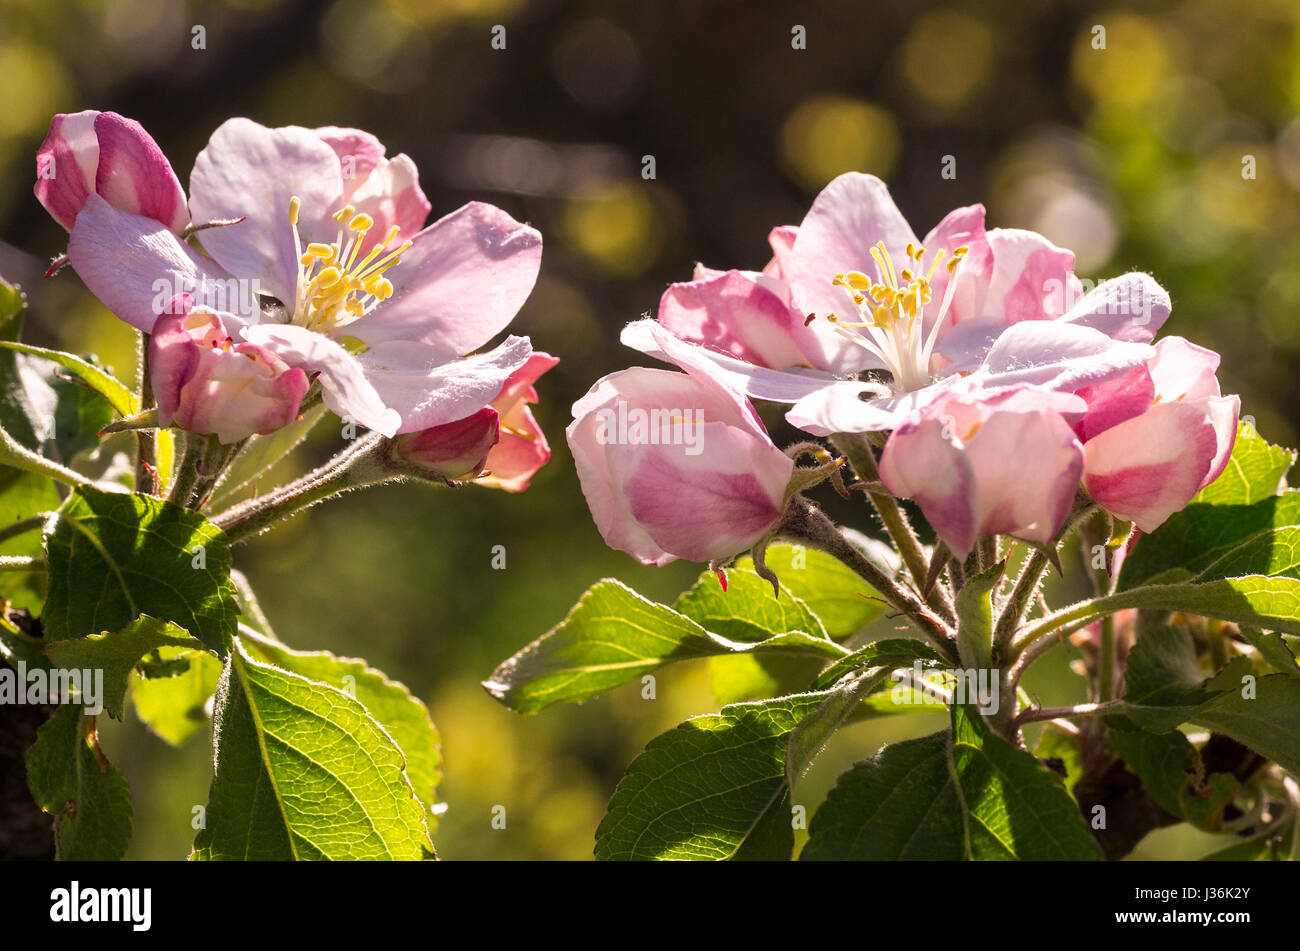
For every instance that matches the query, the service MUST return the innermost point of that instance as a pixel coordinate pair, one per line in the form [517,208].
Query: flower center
[336,284]
[892,308]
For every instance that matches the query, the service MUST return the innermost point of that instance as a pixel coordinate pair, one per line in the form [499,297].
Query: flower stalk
[363,464]
[807,523]
[857,448]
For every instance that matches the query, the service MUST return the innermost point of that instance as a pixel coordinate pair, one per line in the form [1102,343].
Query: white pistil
[894,312]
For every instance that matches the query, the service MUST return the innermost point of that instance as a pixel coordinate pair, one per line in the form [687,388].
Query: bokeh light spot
[829,135]
[947,59]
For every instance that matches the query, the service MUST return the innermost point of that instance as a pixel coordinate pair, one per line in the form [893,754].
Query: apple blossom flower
[676,465]
[1159,435]
[500,446]
[102,153]
[382,320]
[207,383]
[980,464]
[852,290]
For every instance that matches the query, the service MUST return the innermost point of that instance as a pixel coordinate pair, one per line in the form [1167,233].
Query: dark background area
[1131,155]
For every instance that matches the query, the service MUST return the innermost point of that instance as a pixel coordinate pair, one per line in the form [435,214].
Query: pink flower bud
[1006,464]
[1155,456]
[456,451]
[500,446]
[676,465]
[205,383]
[103,153]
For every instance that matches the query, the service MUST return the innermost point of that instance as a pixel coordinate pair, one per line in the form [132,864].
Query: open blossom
[207,383]
[501,445]
[102,153]
[350,285]
[676,465]
[852,290]
[1159,435]
[987,465]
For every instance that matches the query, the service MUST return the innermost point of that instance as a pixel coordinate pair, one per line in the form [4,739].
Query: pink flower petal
[135,265]
[1030,277]
[460,284]
[781,240]
[1130,308]
[1148,467]
[427,390]
[733,314]
[247,170]
[1182,370]
[846,220]
[134,175]
[346,390]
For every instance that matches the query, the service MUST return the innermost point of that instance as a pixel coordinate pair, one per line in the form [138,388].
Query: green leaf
[303,772]
[1257,600]
[892,652]
[1163,761]
[1254,471]
[118,653]
[712,788]
[23,495]
[612,636]
[1164,682]
[1169,767]
[1274,649]
[79,415]
[25,398]
[901,803]
[1267,720]
[113,556]
[118,395]
[173,702]
[962,793]
[90,799]
[832,591]
[809,737]
[403,715]
[1015,807]
[1272,844]
[748,610]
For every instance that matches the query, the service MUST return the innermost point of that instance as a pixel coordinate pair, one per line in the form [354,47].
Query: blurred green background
[1175,149]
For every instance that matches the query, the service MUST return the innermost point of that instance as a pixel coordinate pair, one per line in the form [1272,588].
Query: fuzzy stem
[1022,592]
[863,460]
[360,465]
[215,458]
[1106,660]
[187,473]
[1035,714]
[21,563]
[13,453]
[146,457]
[807,523]
[25,525]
